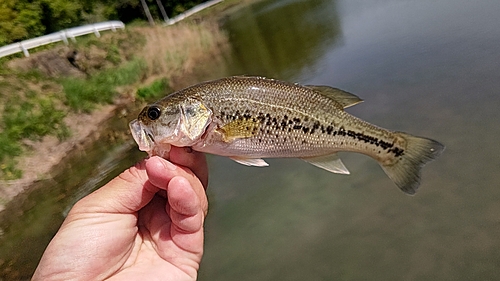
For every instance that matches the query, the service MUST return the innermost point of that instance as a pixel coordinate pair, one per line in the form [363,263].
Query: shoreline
[85,128]
[45,156]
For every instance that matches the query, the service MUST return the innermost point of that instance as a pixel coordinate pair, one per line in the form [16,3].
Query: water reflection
[281,38]
[426,67]
[33,218]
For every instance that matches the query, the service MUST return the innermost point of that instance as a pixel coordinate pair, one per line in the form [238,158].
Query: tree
[23,19]
[19,20]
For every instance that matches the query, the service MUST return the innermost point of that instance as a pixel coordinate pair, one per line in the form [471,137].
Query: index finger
[193,160]
[161,172]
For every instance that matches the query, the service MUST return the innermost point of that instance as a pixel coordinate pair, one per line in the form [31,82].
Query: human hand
[146,224]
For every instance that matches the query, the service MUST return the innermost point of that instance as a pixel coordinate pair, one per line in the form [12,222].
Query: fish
[250,118]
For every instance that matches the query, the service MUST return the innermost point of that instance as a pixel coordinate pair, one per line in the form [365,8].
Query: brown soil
[47,153]
[54,63]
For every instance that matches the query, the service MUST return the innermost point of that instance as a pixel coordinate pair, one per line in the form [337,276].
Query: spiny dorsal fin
[342,97]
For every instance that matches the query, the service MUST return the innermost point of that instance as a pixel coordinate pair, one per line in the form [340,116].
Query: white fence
[192,11]
[63,35]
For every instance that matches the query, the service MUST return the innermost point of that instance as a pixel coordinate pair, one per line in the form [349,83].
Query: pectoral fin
[250,161]
[238,129]
[331,163]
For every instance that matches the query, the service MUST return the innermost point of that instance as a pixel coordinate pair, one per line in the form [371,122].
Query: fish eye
[154,112]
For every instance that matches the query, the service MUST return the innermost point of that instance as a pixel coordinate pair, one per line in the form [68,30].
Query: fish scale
[302,138]
[250,118]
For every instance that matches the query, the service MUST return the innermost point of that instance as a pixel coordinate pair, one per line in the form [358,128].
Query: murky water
[431,68]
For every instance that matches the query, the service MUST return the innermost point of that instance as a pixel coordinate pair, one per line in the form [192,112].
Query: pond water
[430,68]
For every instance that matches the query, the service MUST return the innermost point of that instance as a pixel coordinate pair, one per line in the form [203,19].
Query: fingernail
[169,165]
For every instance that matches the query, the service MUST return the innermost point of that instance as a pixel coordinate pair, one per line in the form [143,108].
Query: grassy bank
[41,95]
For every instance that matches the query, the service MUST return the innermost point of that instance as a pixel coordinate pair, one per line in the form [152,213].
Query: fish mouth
[144,140]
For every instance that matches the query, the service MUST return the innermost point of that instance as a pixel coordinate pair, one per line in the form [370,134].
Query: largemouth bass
[250,118]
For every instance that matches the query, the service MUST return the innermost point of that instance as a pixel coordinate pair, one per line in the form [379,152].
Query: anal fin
[250,161]
[330,162]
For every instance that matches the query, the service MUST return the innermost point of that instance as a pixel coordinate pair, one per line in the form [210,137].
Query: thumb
[127,193]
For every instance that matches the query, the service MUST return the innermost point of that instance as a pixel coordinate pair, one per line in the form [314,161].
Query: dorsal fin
[342,97]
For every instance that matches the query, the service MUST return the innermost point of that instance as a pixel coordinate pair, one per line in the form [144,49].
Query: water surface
[426,67]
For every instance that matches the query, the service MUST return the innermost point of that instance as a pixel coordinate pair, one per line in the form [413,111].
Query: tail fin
[406,172]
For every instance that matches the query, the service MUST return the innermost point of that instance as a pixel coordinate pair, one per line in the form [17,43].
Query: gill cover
[195,118]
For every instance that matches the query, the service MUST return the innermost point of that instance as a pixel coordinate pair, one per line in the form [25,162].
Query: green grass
[34,104]
[34,118]
[113,55]
[30,114]
[9,149]
[154,90]
[83,94]
[31,118]
[119,46]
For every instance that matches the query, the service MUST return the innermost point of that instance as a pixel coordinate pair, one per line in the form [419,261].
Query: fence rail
[192,11]
[62,35]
